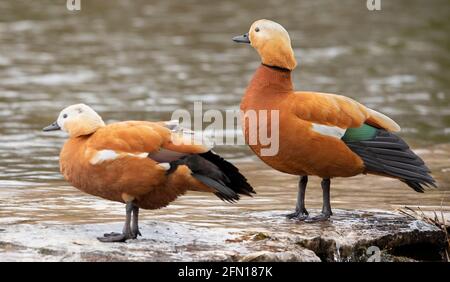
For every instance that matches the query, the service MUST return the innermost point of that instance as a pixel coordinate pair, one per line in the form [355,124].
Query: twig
[445,230]
[409,212]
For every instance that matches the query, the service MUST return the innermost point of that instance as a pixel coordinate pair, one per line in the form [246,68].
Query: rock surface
[349,236]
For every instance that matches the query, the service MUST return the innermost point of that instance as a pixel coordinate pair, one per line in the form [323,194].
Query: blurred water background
[142,60]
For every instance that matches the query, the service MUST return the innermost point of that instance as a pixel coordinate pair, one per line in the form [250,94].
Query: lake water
[140,60]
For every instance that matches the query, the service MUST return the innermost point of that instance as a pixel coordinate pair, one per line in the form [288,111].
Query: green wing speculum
[364,132]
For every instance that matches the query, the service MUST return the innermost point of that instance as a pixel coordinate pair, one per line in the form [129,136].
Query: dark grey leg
[134,224]
[126,231]
[300,211]
[326,207]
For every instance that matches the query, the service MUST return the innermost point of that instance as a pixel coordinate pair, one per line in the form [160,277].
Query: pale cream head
[78,120]
[273,44]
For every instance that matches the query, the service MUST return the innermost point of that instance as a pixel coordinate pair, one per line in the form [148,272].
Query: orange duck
[142,164]
[321,134]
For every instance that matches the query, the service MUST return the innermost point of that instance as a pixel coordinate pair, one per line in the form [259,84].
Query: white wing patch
[166,166]
[332,131]
[110,155]
[141,155]
[103,155]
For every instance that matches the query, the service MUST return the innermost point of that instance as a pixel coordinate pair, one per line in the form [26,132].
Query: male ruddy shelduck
[143,164]
[321,134]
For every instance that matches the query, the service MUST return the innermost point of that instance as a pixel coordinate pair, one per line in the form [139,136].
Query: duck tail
[389,155]
[216,173]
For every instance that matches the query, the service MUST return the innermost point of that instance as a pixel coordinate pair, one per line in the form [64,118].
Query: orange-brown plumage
[303,151]
[141,178]
[129,162]
[320,134]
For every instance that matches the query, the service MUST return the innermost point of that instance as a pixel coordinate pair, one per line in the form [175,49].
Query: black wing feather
[387,154]
[216,173]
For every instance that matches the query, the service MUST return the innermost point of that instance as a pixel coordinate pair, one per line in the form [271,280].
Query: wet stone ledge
[349,236]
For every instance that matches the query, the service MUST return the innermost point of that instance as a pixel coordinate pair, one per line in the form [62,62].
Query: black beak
[242,38]
[52,127]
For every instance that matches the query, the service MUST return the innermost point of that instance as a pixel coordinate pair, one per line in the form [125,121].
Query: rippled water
[140,60]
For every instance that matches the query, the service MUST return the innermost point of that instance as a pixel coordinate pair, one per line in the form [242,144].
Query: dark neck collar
[277,68]
[274,79]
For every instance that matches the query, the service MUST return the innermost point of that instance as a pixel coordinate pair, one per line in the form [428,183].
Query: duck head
[272,42]
[77,120]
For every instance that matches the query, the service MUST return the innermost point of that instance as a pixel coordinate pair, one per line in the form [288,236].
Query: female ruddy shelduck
[321,134]
[143,164]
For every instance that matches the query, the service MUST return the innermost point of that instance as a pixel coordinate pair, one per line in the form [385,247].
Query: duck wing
[338,111]
[162,143]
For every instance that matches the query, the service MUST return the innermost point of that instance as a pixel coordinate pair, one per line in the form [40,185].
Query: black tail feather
[238,182]
[388,154]
[216,173]
[223,192]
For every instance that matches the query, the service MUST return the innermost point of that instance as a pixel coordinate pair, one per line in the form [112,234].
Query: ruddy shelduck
[321,134]
[142,164]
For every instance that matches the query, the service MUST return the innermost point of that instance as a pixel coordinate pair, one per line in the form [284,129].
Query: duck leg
[300,211]
[126,231]
[326,207]
[134,224]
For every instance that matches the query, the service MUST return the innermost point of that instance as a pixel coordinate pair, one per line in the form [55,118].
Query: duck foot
[112,234]
[137,232]
[298,215]
[116,237]
[318,218]
[129,232]
[326,208]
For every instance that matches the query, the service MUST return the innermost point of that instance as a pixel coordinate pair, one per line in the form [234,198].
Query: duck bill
[242,38]
[52,127]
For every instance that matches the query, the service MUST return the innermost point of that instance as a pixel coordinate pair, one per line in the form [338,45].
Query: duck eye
[64,115]
[257,29]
